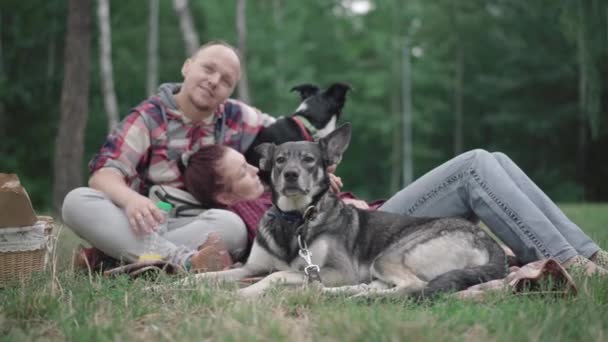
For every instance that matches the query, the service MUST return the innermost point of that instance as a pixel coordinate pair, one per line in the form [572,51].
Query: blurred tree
[74,102]
[186,23]
[528,83]
[152,70]
[241,28]
[589,45]
[105,62]
[278,42]
[458,78]
[2,86]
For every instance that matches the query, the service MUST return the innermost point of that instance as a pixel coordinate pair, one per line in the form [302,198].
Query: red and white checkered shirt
[148,144]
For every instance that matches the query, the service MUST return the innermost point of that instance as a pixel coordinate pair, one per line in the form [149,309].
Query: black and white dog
[316,117]
[309,232]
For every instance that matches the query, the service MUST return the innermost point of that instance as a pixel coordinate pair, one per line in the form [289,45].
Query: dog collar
[292,217]
[308,130]
[295,217]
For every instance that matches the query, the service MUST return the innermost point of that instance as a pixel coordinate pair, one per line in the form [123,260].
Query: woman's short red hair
[202,177]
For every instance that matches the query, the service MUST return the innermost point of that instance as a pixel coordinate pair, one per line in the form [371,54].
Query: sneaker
[600,258]
[582,265]
[212,256]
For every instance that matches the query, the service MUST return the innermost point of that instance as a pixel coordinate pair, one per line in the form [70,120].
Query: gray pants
[490,187]
[96,219]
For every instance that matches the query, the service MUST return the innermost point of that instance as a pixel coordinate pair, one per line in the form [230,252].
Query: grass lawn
[65,305]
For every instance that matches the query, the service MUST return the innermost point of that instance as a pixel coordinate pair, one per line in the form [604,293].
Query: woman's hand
[143,215]
[356,203]
[335,182]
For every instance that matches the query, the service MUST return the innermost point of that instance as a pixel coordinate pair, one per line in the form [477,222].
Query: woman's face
[241,181]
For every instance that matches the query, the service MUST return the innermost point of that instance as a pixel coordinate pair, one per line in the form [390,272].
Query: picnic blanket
[534,277]
[543,277]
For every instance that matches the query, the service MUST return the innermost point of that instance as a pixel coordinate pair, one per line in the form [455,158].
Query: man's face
[210,77]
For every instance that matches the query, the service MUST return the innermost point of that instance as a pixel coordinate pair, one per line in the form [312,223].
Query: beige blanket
[527,277]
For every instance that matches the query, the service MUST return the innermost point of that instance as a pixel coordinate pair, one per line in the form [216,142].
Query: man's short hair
[221,43]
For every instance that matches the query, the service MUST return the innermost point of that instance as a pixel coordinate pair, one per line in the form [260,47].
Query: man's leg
[193,232]
[475,184]
[96,219]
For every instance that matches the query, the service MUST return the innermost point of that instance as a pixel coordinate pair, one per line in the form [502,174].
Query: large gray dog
[310,234]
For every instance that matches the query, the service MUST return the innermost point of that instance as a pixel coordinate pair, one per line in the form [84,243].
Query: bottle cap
[164,206]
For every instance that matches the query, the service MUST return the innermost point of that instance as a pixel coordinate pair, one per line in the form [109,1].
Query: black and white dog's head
[322,108]
[298,170]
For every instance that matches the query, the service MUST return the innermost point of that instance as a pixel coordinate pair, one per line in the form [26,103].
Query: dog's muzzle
[290,184]
[291,176]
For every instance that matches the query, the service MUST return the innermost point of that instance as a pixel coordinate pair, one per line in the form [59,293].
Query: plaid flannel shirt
[148,144]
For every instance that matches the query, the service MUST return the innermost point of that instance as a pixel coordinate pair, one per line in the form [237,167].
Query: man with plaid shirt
[114,213]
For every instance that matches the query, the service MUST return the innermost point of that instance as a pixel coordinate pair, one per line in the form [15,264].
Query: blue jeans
[491,187]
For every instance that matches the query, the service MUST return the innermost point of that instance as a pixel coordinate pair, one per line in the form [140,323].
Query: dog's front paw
[316,286]
[249,292]
[154,288]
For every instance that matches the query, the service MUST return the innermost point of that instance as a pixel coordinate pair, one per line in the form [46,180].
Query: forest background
[431,79]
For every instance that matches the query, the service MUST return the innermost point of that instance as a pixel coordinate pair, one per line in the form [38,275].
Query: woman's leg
[570,231]
[475,184]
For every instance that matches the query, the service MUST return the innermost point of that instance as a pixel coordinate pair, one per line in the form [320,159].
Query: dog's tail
[457,280]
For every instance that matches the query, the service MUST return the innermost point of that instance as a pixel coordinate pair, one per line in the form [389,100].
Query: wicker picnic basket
[20,264]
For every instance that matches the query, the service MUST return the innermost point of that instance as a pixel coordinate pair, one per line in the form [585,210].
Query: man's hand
[335,182]
[143,215]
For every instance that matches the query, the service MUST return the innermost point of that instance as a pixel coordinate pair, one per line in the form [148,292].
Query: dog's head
[322,108]
[298,170]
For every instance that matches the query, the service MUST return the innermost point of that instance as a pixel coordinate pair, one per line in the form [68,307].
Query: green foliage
[521,93]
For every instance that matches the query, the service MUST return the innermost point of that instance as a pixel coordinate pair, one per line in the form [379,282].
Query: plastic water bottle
[152,249]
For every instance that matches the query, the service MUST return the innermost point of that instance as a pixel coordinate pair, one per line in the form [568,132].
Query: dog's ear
[338,91]
[266,152]
[305,90]
[335,144]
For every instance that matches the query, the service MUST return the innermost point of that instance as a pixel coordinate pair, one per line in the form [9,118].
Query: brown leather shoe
[212,256]
[93,259]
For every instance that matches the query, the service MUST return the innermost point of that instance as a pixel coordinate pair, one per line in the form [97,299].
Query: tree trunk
[582,83]
[50,66]
[458,99]
[105,60]
[152,73]
[408,162]
[396,151]
[590,51]
[186,24]
[458,134]
[277,16]
[241,27]
[69,145]
[2,80]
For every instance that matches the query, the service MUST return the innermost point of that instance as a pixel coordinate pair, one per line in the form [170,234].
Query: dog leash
[312,271]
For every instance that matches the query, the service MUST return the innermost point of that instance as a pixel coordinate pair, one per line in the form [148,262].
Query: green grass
[66,305]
